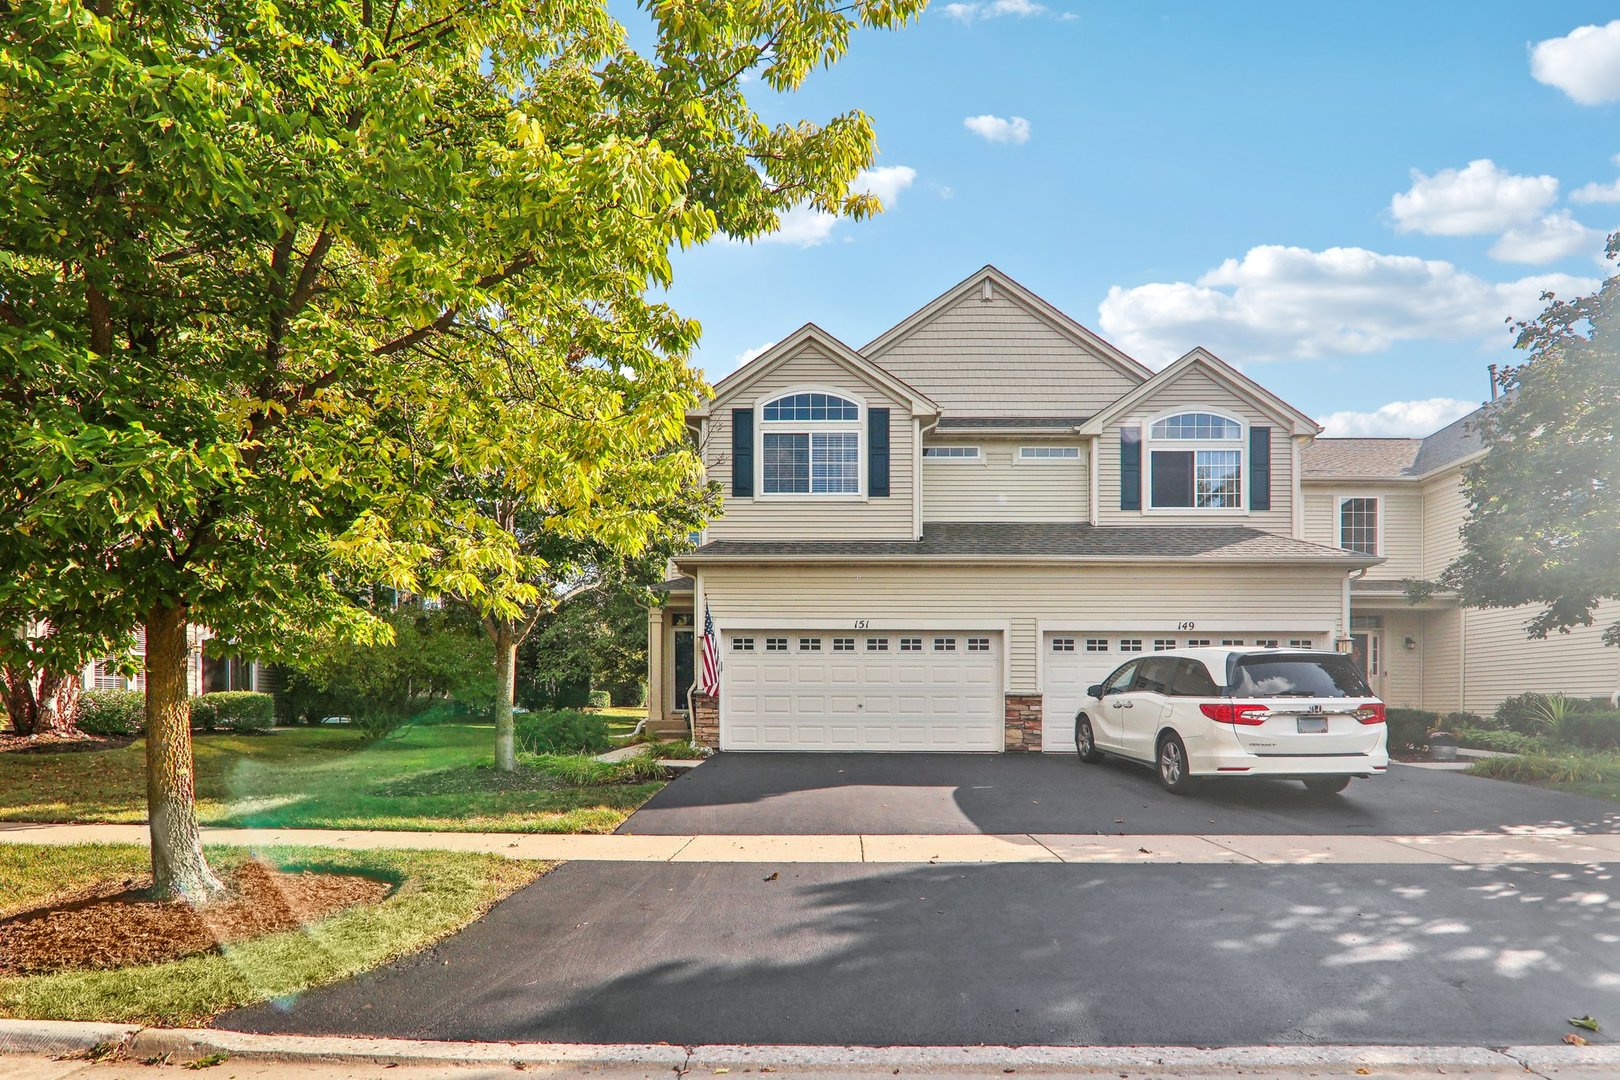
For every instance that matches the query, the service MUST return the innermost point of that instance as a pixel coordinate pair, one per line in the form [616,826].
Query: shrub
[679,750]
[562,731]
[1547,768]
[630,695]
[601,699]
[112,712]
[1523,713]
[1409,728]
[583,770]
[377,722]
[235,710]
[1509,742]
[1593,730]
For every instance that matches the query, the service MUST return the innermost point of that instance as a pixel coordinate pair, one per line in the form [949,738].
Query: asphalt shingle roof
[1395,459]
[1013,541]
[1030,423]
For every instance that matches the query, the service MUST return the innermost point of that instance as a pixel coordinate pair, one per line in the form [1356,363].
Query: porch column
[655,665]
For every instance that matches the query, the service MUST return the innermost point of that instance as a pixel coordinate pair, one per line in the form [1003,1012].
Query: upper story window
[1358,525]
[810,444]
[1195,461]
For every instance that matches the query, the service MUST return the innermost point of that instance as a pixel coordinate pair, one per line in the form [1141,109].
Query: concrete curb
[57,1038]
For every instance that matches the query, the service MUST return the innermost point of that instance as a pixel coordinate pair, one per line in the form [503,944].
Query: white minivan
[1233,712]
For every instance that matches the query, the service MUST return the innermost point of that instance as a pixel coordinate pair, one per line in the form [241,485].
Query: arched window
[1195,462]
[810,444]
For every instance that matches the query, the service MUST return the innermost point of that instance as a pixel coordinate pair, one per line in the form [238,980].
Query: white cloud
[806,227]
[1286,303]
[997,129]
[752,354]
[1478,199]
[1596,193]
[1398,418]
[1556,236]
[975,10]
[1585,63]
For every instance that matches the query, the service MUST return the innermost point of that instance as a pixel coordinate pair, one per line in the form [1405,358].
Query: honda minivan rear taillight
[1231,712]
[1370,713]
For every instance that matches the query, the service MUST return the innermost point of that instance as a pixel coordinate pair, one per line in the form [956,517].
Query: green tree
[246,244]
[1544,501]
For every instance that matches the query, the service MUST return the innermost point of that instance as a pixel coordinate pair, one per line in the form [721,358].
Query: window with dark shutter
[1259,468]
[742,453]
[1173,478]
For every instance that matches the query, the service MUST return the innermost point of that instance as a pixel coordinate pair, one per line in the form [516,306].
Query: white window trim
[1073,461]
[1240,445]
[1378,523]
[796,427]
[979,456]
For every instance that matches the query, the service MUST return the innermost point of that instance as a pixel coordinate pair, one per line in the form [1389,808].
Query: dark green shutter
[1259,468]
[877,452]
[1130,468]
[742,453]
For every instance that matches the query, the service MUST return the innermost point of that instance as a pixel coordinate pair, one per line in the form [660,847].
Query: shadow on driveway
[1019,954]
[786,793]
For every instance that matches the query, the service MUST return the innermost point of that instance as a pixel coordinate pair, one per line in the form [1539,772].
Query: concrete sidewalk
[1473,849]
[48,1050]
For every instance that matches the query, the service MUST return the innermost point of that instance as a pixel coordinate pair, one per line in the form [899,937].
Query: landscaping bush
[583,770]
[1409,728]
[1550,768]
[1509,742]
[1524,713]
[233,710]
[629,695]
[112,712]
[562,731]
[1592,730]
[601,699]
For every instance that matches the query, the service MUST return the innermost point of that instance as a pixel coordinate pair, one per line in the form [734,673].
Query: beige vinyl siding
[813,517]
[1402,680]
[1442,660]
[1401,510]
[1499,661]
[1196,388]
[980,597]
[1001,487]
[998,358]
[1444,512]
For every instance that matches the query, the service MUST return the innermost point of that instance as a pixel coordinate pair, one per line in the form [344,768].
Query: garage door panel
[905,696]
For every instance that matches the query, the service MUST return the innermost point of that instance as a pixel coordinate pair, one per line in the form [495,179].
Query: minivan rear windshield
[1330,676]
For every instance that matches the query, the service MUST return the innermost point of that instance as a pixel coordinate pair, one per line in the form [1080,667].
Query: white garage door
[829,690]
[1072,661]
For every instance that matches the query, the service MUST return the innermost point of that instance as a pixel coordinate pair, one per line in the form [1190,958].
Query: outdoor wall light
[1411,644]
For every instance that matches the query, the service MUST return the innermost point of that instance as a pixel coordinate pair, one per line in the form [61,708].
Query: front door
[684,669]
[1367,648]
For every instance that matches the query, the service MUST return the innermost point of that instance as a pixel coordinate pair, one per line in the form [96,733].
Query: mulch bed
[56,743]
[118,925]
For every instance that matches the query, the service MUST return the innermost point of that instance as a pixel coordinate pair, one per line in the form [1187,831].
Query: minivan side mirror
[1094,690]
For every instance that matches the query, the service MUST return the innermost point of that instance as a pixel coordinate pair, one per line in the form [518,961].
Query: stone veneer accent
[1023,730]
[705,719]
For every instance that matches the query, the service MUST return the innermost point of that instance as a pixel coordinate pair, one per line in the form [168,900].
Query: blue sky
[1345,201]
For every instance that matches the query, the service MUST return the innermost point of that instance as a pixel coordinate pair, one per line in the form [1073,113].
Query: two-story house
[937,541]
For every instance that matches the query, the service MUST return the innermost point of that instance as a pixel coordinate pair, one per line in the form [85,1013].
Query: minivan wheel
[1084,741]
[1174,772]
[1327,785]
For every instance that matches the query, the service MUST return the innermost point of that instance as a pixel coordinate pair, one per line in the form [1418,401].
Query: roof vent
[986,291]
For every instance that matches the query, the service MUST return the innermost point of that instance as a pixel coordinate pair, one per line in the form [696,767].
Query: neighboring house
[205,673]
[937,541]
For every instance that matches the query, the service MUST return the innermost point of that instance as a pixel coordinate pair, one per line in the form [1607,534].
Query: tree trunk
[41,702]
[178,866]
[505,637]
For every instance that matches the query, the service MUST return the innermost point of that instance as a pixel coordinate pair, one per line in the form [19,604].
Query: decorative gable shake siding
[801,517]
[1001,487]
[1400,523]
[1194,388]
[997,358]
[1023,601]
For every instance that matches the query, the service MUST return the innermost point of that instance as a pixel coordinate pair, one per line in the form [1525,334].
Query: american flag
[709,677]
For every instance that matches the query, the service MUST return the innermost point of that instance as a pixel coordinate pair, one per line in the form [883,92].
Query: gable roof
[1394,459]
[1223,373]
[837,351]
[1038,307]
[1452,443]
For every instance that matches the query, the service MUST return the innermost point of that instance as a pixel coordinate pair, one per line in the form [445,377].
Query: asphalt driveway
[1023,954]
[811,794]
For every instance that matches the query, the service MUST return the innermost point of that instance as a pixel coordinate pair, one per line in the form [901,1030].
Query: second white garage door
[829,690]
[1072,661]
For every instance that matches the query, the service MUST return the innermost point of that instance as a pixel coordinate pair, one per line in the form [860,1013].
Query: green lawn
[437,894]
[315,778]
[622,719]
